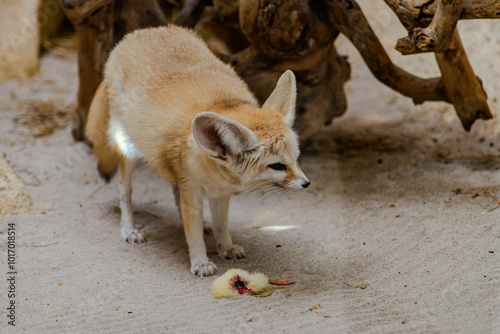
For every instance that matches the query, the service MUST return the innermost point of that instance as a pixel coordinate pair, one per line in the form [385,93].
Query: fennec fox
[167,100]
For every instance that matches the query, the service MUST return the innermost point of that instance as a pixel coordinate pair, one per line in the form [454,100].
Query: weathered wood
[263,38]
[480,9]
[282,35]
[287,35]
[220,28]
[284,29]
[191,13]
[78,10]
[320,80]
[321,96]
[347,17]
[437,36]
[95,39]
[291,35]
[463,89]
[462,86]
[419,13]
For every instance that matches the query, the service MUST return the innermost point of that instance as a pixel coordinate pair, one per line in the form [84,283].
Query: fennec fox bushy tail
[167,100]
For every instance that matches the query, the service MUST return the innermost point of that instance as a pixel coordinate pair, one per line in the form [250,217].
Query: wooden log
[462,86]
[346,16]
[437,36]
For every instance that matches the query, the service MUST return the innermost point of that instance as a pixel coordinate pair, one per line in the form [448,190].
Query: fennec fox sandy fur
[167,100]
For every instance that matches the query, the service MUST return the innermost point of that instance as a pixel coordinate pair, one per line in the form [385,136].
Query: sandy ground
[378,244]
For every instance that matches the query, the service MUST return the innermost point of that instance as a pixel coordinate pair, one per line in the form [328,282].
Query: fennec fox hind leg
[128,230]
[109,159]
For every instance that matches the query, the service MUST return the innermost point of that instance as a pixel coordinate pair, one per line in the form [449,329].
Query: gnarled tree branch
[462,86]
[347,17]
[437,36]
[413,13]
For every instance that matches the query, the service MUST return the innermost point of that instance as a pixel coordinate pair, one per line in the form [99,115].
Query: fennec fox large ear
[221,137]
[283,97]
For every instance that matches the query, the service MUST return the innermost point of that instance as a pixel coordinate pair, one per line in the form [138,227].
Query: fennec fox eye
[277,166]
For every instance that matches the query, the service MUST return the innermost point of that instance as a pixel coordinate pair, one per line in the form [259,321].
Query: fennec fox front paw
[132,236]
[203,268]
[232,252]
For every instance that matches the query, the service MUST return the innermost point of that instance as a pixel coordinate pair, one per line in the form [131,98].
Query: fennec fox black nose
[306,184]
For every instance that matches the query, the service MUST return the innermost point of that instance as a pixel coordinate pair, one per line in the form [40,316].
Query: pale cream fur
[167,100]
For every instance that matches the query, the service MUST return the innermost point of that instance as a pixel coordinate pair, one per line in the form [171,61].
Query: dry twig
[43,245]
[474,192]
[95,191]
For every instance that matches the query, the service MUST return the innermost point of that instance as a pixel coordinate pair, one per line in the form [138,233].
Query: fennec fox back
[167,100]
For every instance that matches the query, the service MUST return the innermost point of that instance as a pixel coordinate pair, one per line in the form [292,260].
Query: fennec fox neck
[167,100]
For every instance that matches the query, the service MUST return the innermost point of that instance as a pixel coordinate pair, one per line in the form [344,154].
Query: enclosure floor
[379,243]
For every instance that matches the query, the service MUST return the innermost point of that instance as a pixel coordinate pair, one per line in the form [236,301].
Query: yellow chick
[238,282]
